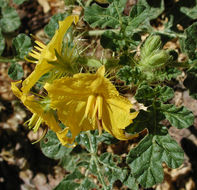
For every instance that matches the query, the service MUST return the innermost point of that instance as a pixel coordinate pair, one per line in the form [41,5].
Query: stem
[100,32]
[7,60]
[88,3]
[95,158]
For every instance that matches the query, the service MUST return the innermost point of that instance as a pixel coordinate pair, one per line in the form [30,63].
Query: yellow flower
[46,53]
[41,113]
[88,102]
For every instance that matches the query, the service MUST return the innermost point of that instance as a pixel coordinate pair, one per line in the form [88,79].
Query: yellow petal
[35,107]
[116,117]
[39,71]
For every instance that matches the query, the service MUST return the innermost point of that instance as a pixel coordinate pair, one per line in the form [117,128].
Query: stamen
[100,107]
[40,44]
[91,100]
[38,123]
[34,56]
[35,52]
[42,136]
[38,48]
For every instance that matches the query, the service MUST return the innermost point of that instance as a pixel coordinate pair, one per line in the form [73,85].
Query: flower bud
[152,43]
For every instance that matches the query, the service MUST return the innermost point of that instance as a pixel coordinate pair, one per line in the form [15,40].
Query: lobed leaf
[146,94]
[2,42]
[105,17]
[18,2]
[52,148]
[15,71]
[22,44]
[191,81]
[179,117]
[190,10]
[190,44]
[10,20]
[146,159]
[111,170]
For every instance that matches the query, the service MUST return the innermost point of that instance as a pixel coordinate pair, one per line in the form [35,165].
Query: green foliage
[15,71]
[146,94]
[191,80]
[10,20]
[2,42]
[178,117]
[52,148]
[155,7]
[105,17]
[18,2]
[190,10]
[129,75]
[146,159]
[190,43]
[22,44]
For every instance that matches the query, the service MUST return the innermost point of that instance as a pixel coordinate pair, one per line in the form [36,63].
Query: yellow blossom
[87,102]
[46,53]
[40,114]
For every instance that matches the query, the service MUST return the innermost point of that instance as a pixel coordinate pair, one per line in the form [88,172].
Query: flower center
[94,109]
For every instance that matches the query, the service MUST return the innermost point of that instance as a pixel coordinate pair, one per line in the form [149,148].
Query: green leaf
[105,17]
[191,81]
[190,10]
[89,141]
[131,183]
[146,94]
[164,93]
[10,20]
[119,42]
[111,170]
[191,41]
[3,3]
[23,45]
[146,159]
[18,2]
[179,117]
[53,25]
[15,71]
[69,161]
[67,185]
[52,148]
[129,75]
[138,17]
[86,184]
[156,7]
[76,174]
[2,42]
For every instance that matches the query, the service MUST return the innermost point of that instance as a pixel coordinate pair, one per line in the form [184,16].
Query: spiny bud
[152,44]
[152,57]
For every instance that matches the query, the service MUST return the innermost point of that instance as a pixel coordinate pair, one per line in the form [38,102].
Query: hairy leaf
[179,117]
[15,71]
[23,45]
[18,2]
[191,81]
[146,94]
[111,170]
[191,41]
[105,17]
[131,183]
[2,42]
[129,75]
[146,159]
[10,20]
[52,148]
[190,10]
